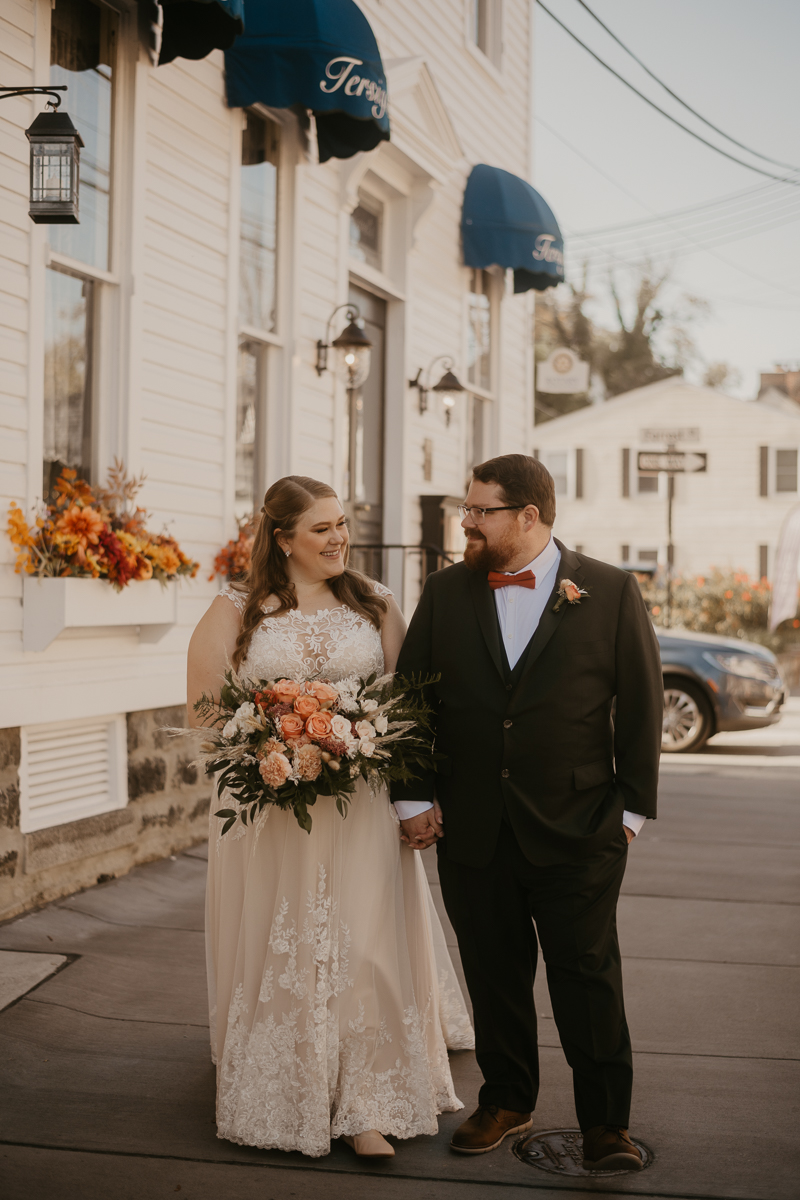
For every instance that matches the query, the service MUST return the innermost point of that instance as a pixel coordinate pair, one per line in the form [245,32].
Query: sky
[735,63]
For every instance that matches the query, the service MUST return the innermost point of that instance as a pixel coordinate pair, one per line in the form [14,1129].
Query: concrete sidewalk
[108,1090]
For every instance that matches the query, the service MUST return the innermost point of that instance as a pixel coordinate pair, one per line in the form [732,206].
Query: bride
[332,996]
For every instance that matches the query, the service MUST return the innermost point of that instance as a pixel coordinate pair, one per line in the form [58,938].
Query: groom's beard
[479,556]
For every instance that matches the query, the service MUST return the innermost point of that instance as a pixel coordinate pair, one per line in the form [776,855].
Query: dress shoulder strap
[382,589]
[235,595]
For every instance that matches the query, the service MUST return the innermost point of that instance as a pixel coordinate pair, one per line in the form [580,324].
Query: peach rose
[291,726]
[275,769]
[319,725]
[322,691]
[285,691]
[308,761]
[571,591]
[306,705]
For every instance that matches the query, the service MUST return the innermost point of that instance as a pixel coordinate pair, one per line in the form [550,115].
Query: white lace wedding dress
[332,996]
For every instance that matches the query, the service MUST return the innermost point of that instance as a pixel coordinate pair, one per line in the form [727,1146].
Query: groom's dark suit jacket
[537,746]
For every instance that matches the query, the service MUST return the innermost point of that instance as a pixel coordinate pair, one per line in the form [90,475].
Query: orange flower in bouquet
[95,533]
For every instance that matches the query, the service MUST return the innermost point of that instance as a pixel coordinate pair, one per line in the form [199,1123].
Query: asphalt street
[107,1089]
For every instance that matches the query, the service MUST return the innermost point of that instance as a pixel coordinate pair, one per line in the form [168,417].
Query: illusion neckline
[296,612]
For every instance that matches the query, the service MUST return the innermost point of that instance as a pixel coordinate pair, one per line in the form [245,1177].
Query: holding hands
[422,831]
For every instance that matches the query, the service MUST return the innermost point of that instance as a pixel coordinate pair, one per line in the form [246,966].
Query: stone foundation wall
[167,810]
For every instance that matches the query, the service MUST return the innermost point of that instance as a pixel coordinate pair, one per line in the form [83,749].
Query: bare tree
[627,356]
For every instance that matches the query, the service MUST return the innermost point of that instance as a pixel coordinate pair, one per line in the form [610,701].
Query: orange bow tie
[497,579]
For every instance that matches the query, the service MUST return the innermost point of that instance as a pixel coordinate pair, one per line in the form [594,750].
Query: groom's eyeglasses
[479,514]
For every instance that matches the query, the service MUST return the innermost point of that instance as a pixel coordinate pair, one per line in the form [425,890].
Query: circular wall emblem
[560,1152]
[562,363]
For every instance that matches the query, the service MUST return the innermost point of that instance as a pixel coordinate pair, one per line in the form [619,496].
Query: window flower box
[52,605]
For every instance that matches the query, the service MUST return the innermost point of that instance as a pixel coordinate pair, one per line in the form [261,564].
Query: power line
[714,229]
[629,262]
[740,162]
[675,96]
[657,218]
[731,199]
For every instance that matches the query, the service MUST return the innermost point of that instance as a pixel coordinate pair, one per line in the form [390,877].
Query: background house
[176,328]
[730,516]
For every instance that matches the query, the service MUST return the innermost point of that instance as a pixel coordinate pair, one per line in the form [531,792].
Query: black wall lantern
[55,161]
[353,349]
[447,389]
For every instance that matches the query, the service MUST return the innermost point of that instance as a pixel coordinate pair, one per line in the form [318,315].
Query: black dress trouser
[573,905]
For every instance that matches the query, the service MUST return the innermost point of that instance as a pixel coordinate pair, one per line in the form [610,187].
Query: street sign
[673,461]
[670,435]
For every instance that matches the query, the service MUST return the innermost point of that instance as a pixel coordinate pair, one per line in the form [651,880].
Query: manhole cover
[560,1151]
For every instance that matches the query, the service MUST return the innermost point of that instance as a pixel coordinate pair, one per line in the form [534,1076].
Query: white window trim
[545,452]
[31,821]
[492,68]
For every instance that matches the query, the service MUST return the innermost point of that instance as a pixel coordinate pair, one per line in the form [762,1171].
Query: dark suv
[713,684]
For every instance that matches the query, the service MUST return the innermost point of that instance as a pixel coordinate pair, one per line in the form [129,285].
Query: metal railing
[392,563]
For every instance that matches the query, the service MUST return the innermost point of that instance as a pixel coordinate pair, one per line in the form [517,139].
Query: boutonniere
[569,592]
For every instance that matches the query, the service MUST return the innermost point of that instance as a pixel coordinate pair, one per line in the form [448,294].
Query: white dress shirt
[519,611]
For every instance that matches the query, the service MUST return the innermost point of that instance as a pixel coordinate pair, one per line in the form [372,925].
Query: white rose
[369,705]
[245,710]
[231,729]
[381,724]
[365,730]
[366,747]
[341,728]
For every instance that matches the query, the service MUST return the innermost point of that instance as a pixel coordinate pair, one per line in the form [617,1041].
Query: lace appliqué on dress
[334,642]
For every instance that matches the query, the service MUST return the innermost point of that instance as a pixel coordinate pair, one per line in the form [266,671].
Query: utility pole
[670,547]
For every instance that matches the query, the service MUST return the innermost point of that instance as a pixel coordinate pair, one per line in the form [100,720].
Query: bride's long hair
[284,503]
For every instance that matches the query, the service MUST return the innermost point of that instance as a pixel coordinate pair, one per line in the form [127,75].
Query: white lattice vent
[72,769]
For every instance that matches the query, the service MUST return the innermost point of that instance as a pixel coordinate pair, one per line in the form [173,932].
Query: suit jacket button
[507,724]
[509,687]
[504,774]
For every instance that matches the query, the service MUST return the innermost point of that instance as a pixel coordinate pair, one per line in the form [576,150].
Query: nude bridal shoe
[370,1144]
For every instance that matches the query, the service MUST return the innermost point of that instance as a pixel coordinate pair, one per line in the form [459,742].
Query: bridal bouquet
[286,742]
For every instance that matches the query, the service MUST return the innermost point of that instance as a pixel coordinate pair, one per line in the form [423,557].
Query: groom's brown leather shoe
[486,1129]
[609,1148]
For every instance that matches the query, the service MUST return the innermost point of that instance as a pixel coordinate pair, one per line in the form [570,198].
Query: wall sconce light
[352,346]
[448,387]
[55,160]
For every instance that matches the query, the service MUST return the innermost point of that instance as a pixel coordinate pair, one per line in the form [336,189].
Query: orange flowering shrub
[233,560]
[729,603]
[95,533]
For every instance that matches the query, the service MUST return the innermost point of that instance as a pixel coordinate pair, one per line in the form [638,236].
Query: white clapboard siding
[70,770]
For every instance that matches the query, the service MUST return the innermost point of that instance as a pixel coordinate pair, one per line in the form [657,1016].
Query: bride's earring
[287,553]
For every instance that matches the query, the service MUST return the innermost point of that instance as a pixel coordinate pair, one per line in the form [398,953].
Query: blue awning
[321,54]
[193,28]
[505,222]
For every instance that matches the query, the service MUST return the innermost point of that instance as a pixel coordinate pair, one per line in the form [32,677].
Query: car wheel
[688,719]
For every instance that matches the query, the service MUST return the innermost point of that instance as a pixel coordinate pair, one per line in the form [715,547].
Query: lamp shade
[55,169]
[353,350]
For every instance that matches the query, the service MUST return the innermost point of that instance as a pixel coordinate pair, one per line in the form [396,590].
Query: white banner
[784,584]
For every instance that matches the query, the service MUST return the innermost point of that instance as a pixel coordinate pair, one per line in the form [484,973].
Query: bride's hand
[422,831]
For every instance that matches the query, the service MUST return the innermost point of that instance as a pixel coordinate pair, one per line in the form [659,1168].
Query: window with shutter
[70,770]
[626,472]
[763,470]
[785,470]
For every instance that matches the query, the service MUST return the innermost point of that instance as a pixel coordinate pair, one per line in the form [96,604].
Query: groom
[545,782]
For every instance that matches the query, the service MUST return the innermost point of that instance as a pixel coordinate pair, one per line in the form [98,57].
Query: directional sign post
[672,462]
